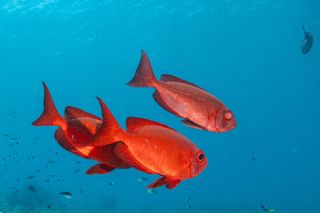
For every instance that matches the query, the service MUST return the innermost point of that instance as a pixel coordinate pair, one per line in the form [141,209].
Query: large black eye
[200,157]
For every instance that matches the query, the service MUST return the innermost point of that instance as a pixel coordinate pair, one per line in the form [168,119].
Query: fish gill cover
[246,53]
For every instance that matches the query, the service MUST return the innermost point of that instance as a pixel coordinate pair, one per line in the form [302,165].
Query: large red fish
[74,132]
[151,147]
[198,107]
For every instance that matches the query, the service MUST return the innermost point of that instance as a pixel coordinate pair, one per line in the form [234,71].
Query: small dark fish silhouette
[32,188]
[307,41]
[253,158]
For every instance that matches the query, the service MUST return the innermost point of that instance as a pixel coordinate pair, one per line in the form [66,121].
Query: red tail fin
[144,76]
[50,115]
[110,131]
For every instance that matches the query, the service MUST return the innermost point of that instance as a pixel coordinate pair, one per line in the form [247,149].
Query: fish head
[197,163]
[224,120]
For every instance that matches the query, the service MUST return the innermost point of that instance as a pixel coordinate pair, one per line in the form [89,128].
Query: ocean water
[247,53]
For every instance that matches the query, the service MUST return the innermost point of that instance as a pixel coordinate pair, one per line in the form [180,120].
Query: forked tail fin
[144,76]
[50,115]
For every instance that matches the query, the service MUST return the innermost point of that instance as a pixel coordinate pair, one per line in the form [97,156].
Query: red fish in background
[75,130]
[199,108]
[151,147]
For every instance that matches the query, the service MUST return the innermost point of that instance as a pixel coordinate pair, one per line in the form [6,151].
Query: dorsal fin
[73,112]
[133,123]
[167,77]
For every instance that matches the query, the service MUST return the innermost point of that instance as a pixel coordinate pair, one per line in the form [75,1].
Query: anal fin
[191,124]
[100,169]
[159,182]
[169,182]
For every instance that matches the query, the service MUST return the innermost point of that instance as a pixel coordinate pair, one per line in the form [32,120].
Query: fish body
[75,129]
[266,209]
[199,108]
[67,195]
[307,42]
[32,188]
[151,147]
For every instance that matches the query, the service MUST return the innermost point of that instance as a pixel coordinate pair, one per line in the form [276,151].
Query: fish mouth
[224,128]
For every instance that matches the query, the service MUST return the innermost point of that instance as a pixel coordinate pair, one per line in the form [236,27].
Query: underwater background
[246,53]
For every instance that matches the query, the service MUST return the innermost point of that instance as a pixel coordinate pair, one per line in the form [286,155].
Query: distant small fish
[67,195]
[253,158]
[32,188]
[266,209]
[13,139]
[31,177]
[152,191]
[142,179]
[307,41]
[6,135]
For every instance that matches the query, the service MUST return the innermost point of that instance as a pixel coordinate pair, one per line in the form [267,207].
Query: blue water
[247,53]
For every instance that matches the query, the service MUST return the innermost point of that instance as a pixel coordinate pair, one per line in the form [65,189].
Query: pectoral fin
[157,97]
[122,152]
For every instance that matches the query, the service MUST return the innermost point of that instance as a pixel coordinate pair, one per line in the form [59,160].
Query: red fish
[199,108]
[151,147]
[75,130]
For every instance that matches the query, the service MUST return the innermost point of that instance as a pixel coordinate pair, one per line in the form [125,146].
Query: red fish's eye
[200,157]
[228,115]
